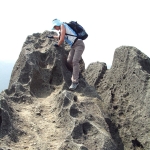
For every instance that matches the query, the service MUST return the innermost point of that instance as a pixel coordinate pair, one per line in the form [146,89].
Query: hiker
[77,48]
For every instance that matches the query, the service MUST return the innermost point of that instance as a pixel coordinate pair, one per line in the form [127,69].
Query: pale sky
[109,23]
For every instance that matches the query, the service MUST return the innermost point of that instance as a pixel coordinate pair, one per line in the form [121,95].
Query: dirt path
[38,122]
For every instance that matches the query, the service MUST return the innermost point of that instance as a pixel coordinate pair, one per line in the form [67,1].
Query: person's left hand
[50,37]
[56,45]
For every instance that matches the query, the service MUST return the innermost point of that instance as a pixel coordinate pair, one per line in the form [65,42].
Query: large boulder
[125,92]
[95,72]
[39,112]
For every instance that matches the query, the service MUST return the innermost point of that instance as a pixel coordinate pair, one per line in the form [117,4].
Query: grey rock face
[38,111]
[125,91]
[95,72]
[33,73]
[5,122]
[80,115]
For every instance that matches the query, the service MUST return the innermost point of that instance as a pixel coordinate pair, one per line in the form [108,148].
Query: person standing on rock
[77,48]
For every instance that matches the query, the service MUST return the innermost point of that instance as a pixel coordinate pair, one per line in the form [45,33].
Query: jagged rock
[5,122]
[39,110]
[125,92]
[40,68]
[93,76]
[82,116]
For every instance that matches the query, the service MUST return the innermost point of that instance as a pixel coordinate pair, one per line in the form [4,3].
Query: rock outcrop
[38,111]
[108,111]
[125,92]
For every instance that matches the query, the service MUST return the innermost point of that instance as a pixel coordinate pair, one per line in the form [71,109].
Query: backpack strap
[71,35]
[74,41]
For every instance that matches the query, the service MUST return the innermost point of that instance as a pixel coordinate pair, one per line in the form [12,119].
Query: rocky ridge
[108,111]
[39,112]
[125,92]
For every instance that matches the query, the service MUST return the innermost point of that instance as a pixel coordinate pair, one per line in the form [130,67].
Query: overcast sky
[109,23]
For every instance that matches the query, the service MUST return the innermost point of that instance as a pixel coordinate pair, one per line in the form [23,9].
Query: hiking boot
[73,86]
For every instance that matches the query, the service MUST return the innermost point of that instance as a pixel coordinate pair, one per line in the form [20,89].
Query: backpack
[79,30]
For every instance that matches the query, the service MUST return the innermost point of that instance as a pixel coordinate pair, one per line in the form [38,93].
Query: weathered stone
[94,76]
[109,110]
[43,113]
[125,92]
